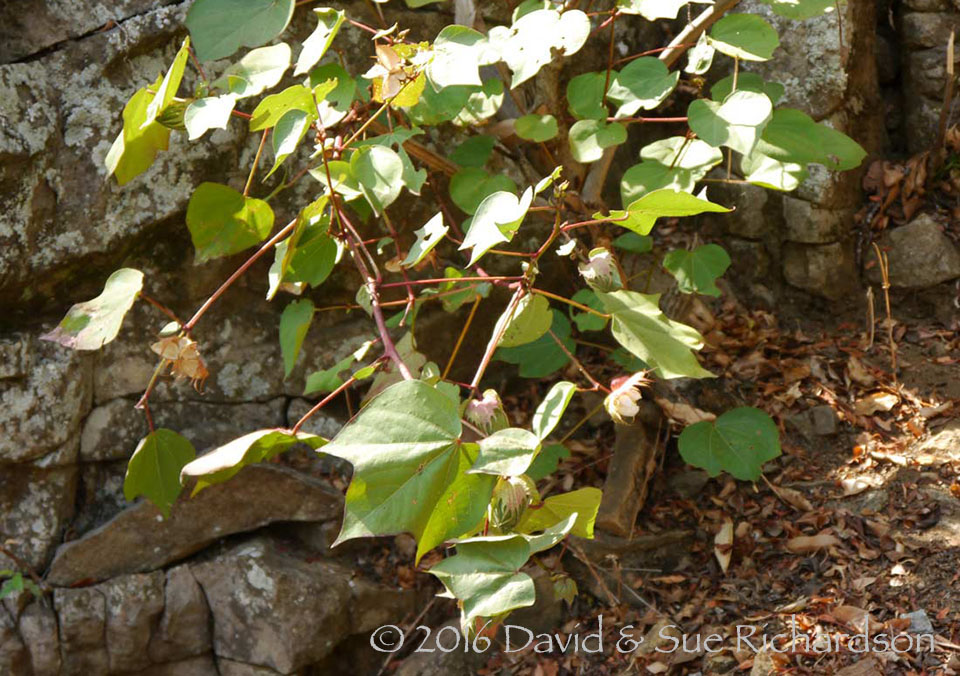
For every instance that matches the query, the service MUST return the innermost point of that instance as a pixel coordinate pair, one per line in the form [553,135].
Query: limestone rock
[82,617]
[231,668]
[184,628]
[38,627]
[625,489]
[140,540]
[112,431]
[133,603]
[808,223]
[927,29]
[819,421]
[36,505]
[194,666]
[823,269]
[279,610]
[41,410]
[13,655]
[920,255]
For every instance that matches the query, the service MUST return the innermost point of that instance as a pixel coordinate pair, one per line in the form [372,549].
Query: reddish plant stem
[651,52]
[362,26]
[495,338]
[613,32]
[576,362]
[160,306]
[196,64]
[573,303]
[403,271]
[245,116]
[284,231]
[323,402]
[647,120]
[441,280]
[256,161]
[500,252]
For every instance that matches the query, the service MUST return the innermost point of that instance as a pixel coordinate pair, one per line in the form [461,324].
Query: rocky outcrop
[139,539]
[919,254]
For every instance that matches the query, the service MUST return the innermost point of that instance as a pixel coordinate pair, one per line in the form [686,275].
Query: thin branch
[284,231]
[570,302]
[689,35]
[256,161]
[323,402]
[576,362]
[463,334]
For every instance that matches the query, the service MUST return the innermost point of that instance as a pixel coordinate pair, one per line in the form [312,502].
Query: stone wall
[240,579]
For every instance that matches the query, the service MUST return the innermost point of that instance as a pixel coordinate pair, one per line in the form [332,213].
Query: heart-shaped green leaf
[537,128]
[643,83]
[697,271]
[667,346]
[154,468]
[735,123]
[589,138]
[507,452]
[315,46]
[556,509]
[223,222]
[738,442]
[221,27]
[530,319]
[745,36]
[410,468]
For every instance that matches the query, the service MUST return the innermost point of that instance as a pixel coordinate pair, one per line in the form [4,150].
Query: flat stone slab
[139,540]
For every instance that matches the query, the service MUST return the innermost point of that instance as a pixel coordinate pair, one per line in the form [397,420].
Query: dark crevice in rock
[99,30]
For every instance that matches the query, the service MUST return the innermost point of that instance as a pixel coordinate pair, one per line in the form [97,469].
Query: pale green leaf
[315,46]
[536,128]
[135,148]
[171,83]
[643,213]
[770,173]
[379,171]
[585,96]
[651,10]
[269,111]
[474,152]
[330,379]
[697,271]
[543,357]
[294,324]
[287,135]
[336,103]
[427,237]
[551,409]
[736,123]
[547,461]
[792,136]
[409,468]
[341,178]
[482,103]
[589,138]
[210,112]
[94,323]
[643,83]
[221,27]
[154,468]
[583,503]
[530,319]
[506,452]
[258,70]
[700,58]
[457,55]
[497,219]
[738,442]
[746,81]
[470,186]
[485,576]
[746,36]
[223,222]
[675,162]
[527,45]
[801,9]
[667,346]
[223,462]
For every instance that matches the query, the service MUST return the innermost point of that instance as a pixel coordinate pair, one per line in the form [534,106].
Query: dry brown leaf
[853,616]
[807,544]
[723,544]
[876,401]
[859,373]
[683,413]
[795,499]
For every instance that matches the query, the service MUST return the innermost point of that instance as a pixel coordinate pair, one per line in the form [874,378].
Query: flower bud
[621,403]
[601,272]
[511,496]
[487,414]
